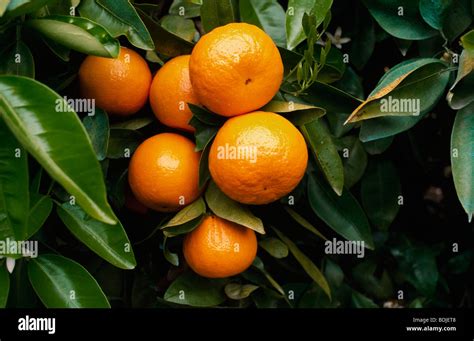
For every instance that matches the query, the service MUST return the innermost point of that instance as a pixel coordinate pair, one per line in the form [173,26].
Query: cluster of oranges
[256,157]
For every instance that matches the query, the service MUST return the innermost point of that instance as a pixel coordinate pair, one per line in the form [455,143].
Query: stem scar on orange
[119,86]
[164,172]
[235,69]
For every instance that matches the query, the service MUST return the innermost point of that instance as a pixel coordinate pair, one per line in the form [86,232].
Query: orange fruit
[218,248]
[170,92]
[164,172]
[119,86]
[235,69]
[257,158]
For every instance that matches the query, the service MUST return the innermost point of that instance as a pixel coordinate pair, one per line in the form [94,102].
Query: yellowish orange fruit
[119,86]
[258,158]
[170,92]
[164,172]
[235,69]
[218,248]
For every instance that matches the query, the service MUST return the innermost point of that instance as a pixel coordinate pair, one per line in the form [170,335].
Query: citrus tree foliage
[381,90]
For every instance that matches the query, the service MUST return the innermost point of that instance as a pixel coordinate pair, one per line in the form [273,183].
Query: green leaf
[14,192]
[275,247]
[294,16]
[309,267]
[333,65]
[362,301]
[166,43]
[133,124]
[55,138]
[321,144]
[108,241]
[119,18]
[266,14]
[457,20]
[205,116]
[462,154]
[16,8]
[298,113]
[193,290]
[400,18]
[185,8]
[218,13]
[204,173]
[236,291]
[183,28]
[3,6]
[303,222]
[123,142]
[342,213]
[62,283]
[434,12]
[173,231]
[17,61]
[97,127]
[461,94]
[363,40]
[89,37]
[172,258]
[4,286]
[228,209]
[380,191]
[412,94]
[354,160]
[381,127]
[374,279]
[258,264]
[41,207]
[190,212]
[377,147]
[204,132]
[467,41]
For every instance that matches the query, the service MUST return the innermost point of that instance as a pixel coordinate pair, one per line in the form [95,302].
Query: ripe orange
[235,69]
[119,86]
[164,172]
[170,92]
[257,158]
[219,248]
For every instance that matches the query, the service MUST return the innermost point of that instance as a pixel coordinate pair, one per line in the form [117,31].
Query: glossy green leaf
[4,286]
[108,241]
[462,156]
[166,43]
[236,291]
[205,116]
[434,12]
[41,207]
[190,212]
[401,18]
[172,258]
[185,8]
[118,17]
[457,19]
[354,159]
[123,142]
[89,37]
[321,144]
[173,231]
[182,27]
[334,66]
[377,147]
[461,94]
[16,8]
[303,222]
[62,283]
[191,289]
[17,61]
[412,94]
[228,209]
[14,192]
[342,213]
[204,132]
[55,138]
[266,14]
[309,267]
[218,13]
[294,16]
[97,127]
[380,192]
[275,247]
[204,173]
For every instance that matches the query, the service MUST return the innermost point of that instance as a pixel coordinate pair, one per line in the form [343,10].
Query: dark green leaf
[204,133]
[205,116]
[237,291]
[258,264]
[133,124]
[55,138]
[172,258]
[4,286]
[275,247]
[218,13]
[462,151]
[228,209]
[434,12]
[376,283]
[183,28]
[378,146]
[457,20]
[89,37]
[266,14]
[16,8]
[361,301]
[17,61]
[354,159]
[185,8]
[461,93]
[97,127]
[343,214]
[123,142]
[363,40]
[193,290]
[204,173]
[321,144]
[118,17]
[173,231]
[303,222]
[62,283]
[41,207]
